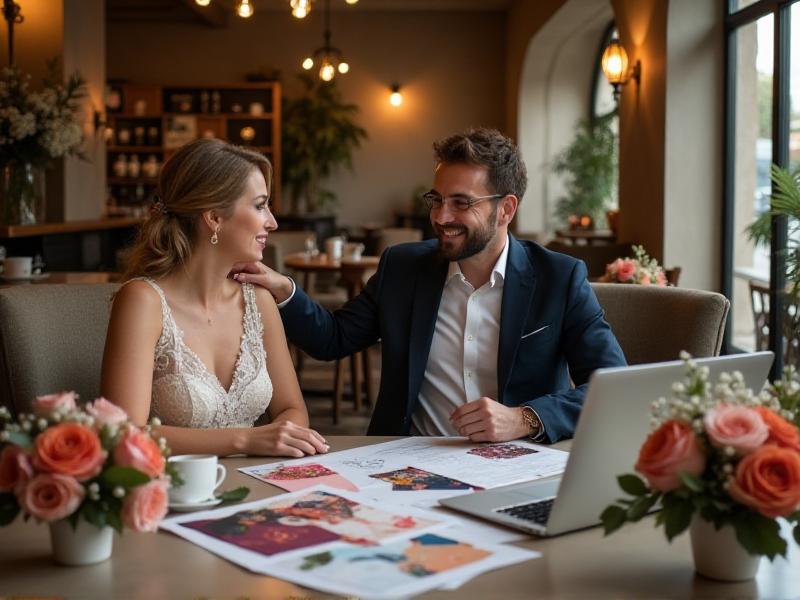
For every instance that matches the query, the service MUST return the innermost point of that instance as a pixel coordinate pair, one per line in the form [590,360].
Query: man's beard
[474,241]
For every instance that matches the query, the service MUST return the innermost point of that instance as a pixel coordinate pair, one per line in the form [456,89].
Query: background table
[65,277]
[636,562]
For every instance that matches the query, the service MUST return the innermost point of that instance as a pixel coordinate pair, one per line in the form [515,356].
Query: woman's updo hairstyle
[203,175]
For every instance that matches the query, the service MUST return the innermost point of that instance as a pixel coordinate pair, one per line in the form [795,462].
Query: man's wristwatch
[533,422]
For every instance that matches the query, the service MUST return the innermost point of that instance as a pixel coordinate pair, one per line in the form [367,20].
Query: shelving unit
[154,120]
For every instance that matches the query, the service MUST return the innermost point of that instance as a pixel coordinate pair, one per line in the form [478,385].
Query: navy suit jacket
[542,290]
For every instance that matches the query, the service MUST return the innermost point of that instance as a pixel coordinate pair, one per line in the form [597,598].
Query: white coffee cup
[201,475]
[17,267]
[334,247]
[353,250]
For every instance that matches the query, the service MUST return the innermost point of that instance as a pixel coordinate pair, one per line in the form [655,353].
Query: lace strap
[167,323]
[254,327]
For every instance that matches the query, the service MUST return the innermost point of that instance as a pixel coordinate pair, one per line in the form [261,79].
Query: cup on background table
[18,267]
[353,250]
[333,247]
[201,475]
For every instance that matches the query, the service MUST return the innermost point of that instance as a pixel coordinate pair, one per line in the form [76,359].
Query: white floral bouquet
[640,269]
[38,126]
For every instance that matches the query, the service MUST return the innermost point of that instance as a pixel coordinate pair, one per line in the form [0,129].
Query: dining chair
[389,236]
[759,303]
[653,324]
[51,340]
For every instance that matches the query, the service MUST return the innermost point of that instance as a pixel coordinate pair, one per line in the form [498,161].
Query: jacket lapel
[427,296]
[518,288]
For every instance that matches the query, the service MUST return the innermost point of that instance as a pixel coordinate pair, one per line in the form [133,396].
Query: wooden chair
[389,236]
[759,303]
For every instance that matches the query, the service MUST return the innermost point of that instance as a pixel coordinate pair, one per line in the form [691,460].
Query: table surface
[65,277]
[636,562]
[301,261]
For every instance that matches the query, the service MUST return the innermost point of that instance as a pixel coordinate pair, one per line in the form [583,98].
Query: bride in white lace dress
[205,354]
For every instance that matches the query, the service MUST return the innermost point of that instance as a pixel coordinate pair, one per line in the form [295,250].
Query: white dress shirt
[462,364]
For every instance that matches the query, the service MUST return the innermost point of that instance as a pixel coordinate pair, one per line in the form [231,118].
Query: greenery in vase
[724,453]
[38,126]
[319,134]
[589,165]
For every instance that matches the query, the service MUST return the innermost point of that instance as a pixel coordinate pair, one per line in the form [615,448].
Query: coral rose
[626,269]
[671,449]
[739,427]
[781,432]
[768,481]
[15,469]
[138,450]
[44,406]
[69,449]
[661,278]
[106,413]
[145,506]
[51,497]
[644,279]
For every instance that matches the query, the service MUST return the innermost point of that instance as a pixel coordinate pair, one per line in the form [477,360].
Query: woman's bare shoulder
[138,296]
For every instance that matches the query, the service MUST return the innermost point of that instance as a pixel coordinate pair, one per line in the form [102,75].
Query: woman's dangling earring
[215,237]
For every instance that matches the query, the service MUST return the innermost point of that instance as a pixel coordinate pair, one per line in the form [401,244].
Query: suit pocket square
[534,332]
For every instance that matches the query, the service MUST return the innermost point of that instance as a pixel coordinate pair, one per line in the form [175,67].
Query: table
[636,562]
[588,236]
[66,277]
[352,272]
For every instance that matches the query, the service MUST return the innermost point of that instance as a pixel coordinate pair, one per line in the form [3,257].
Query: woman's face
[245,232]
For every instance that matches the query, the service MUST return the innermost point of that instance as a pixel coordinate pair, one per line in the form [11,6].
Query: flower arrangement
[724,453]
[641,269]
[68,462]
[36,127]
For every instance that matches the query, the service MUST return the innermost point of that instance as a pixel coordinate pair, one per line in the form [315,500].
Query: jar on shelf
[216,102]
[138,135]
[134,166]
[124,136]
[204,101]
[152,135]
[150,166]
[120,166]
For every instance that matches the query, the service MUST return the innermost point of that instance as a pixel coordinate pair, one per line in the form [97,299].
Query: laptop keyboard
[536,512]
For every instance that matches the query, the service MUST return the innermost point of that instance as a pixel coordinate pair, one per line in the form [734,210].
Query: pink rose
[626,269]
[670,450]
[613,267]
[661,278]
[645,279]
[138,450]
[15,469]
[51,497]
[739,427]
[145,506]
[106,413]
[44,406]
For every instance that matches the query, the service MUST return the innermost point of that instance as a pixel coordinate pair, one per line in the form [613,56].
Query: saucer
[192,506]
[31,277]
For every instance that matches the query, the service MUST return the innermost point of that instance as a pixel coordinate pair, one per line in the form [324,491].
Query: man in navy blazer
[482,335]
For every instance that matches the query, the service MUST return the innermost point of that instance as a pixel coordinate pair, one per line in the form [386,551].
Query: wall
[449,64]
[553,95]
[694,141]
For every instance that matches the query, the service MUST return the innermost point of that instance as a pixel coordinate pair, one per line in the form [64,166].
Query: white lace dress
[187,394]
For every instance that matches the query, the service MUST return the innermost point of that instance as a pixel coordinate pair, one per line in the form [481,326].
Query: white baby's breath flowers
[4,436]
[118,491]
[42,424]
[155,422]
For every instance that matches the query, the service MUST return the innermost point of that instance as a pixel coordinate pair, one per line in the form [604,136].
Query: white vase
[84,545]
[718,554]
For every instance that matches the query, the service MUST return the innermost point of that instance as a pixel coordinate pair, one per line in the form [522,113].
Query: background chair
[52,339]
[654,324]
[389,236]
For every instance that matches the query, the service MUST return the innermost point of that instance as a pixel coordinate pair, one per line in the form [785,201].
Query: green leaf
[695,484]
[126,477]
[235,495]
[632,484]
[759,535]
[20,438]
[94,514]
[114,520]
[797,533]
[640,508]
[173,474]
[613,518]
[9,508]
[677,516]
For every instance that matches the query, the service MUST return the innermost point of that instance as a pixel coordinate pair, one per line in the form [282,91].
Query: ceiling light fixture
[395,98]
[329,58]
[244,9]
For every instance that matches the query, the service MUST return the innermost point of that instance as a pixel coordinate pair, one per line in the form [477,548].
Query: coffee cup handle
[221,472]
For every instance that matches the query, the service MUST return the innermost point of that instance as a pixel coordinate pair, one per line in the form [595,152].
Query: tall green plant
[785,202]
[319,134]
[589,165]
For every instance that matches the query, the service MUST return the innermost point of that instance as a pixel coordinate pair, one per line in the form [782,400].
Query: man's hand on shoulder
[486,420]
[260,274]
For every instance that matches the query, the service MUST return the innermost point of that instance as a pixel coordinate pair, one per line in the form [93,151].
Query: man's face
[463,233]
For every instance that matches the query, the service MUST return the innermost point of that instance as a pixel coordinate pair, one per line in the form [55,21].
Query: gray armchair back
[52,339]
[654,324]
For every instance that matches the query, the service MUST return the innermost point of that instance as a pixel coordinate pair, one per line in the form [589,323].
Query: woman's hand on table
[280,286]
[283,439]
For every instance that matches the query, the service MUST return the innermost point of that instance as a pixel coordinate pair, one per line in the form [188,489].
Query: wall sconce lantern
[396,98]
[615,67]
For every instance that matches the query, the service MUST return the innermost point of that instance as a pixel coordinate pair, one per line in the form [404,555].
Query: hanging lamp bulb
[202,2]
[343,67]
[326,71]
[308,63]
[244,9]
[300,8]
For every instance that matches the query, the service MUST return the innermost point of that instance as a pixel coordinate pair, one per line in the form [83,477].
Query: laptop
[614,422]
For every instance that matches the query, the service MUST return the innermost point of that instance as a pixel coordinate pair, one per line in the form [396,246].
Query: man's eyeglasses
[458,202]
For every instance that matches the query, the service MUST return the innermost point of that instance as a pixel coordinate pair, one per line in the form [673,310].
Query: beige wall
[449,64]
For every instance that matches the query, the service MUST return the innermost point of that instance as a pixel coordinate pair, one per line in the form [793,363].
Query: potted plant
[319,134]
[589,167]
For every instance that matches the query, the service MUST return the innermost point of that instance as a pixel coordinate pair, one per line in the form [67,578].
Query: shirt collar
[499,268]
